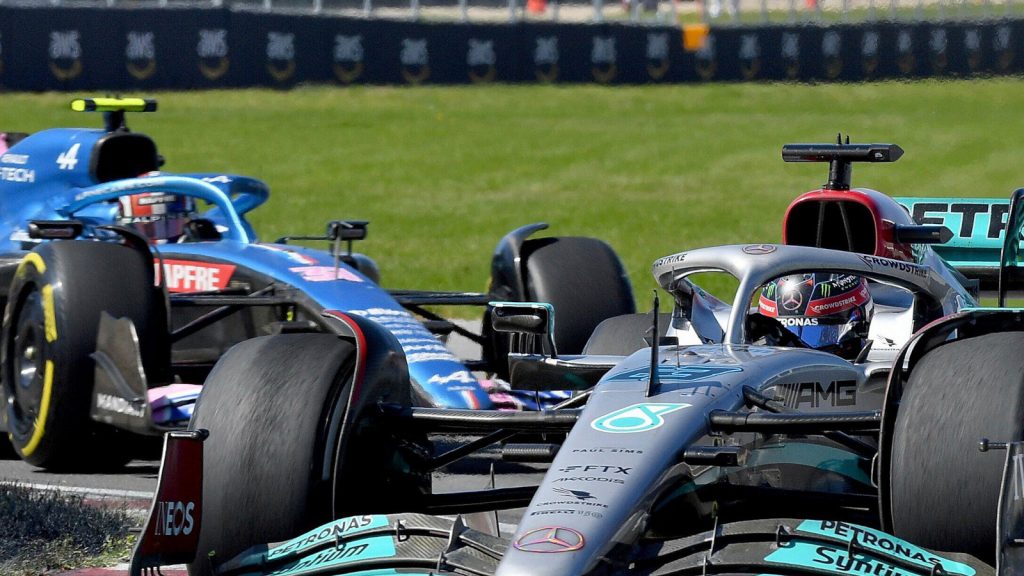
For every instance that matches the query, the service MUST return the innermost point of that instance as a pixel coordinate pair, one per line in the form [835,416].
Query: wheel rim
[28,347]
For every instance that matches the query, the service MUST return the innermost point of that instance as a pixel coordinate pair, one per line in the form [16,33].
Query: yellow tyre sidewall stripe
[49,314]
[50,321]
[32,258]
[40,425]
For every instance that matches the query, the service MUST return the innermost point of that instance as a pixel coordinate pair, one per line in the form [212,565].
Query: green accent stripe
[329,531]
[353,551]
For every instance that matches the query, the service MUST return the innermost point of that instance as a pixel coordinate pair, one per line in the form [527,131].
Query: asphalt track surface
[137,481]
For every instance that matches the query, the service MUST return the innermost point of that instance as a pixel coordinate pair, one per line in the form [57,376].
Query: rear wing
[979,247]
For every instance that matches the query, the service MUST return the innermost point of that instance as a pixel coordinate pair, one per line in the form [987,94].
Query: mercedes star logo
[550,539]
[759,249]
[792,300]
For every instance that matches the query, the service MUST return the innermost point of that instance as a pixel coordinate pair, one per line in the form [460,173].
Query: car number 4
[69,158]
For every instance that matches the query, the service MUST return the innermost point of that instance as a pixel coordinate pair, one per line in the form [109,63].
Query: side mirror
[923,234]
[347,229]
[54,229]
[528,320]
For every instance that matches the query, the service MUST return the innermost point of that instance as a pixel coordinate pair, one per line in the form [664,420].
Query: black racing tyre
[273,406]
[585,281]
[49,331]
[943,490]
[266,404]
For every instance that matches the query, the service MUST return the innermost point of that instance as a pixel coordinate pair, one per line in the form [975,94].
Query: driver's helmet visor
[159,216]
[821,333]
[824,310]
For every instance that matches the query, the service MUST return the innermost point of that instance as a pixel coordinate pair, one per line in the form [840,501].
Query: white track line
[124,567]
[98,492]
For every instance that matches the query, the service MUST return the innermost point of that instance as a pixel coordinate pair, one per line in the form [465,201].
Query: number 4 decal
[69,158]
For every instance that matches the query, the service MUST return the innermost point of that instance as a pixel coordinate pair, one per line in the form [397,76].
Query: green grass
[44,532]
[443,172]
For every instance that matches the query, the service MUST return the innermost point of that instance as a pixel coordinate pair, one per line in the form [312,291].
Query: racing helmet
[829,312]
[159,216]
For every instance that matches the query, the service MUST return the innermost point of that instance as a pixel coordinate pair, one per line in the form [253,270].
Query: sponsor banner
[5,45]
[59,50]
[353,52]
[203,44]
[280,50]
[158,52]
[77,49]
[189,276]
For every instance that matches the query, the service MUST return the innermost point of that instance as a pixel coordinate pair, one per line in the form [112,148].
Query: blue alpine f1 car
[119,295]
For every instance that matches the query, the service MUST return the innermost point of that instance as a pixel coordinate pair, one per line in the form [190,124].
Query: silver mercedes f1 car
[826,420]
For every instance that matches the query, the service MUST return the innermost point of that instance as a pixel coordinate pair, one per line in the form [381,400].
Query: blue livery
[66,174]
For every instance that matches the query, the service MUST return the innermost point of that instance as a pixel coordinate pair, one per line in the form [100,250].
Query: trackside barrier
[79,49]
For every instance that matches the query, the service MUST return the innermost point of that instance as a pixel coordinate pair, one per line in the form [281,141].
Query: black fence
[111,49]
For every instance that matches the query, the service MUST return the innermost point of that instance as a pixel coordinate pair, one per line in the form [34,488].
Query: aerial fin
[652,382]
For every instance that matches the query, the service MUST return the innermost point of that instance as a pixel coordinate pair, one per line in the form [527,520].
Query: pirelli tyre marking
[49,316]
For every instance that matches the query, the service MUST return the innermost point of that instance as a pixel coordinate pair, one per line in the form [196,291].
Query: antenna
[652,382]
[114,121]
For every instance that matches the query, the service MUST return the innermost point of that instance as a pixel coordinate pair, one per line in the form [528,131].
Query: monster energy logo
[769,291]
[826,289]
